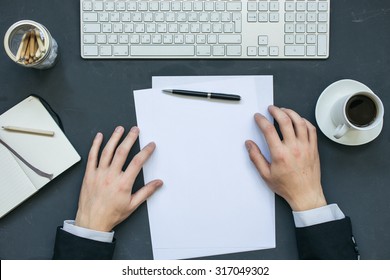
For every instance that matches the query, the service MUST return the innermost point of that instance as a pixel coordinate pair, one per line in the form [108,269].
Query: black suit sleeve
[329,241]
[71,247]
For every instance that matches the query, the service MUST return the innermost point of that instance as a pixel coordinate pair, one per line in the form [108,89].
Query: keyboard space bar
[150,50]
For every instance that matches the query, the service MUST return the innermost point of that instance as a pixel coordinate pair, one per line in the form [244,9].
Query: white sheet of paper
[213,201]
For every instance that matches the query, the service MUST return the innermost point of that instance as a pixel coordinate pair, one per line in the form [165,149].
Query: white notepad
[213,200]
[49,154]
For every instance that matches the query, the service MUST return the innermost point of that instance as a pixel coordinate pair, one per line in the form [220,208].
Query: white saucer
[323,108]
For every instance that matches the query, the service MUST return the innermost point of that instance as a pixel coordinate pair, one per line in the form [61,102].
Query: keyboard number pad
[306,28]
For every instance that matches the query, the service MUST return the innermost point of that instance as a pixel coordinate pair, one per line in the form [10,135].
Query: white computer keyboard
[129,29]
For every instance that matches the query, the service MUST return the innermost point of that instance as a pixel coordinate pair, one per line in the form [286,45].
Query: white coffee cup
[359,111]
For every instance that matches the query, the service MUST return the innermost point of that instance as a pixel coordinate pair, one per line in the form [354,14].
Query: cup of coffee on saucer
[349,113]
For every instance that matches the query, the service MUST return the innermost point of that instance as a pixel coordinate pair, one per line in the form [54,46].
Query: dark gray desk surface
[93,96]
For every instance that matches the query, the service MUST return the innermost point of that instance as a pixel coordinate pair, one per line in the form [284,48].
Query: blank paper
[213,201]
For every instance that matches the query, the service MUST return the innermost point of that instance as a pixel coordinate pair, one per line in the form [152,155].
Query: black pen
[209,95]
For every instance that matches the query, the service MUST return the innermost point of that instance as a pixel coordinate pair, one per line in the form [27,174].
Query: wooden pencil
[39,40]
[32,46]
[22,46]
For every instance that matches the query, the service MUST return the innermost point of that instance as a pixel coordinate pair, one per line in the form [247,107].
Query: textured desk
[96,95]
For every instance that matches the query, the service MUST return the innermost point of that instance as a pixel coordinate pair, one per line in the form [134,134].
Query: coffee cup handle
[340,131]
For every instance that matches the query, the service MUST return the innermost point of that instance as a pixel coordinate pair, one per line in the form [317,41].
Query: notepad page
[15,186]
[52,155]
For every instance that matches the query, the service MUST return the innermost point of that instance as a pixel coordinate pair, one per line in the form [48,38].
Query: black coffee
[361,110]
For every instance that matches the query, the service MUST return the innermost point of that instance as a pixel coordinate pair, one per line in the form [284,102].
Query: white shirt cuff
[69,226]
[319,215]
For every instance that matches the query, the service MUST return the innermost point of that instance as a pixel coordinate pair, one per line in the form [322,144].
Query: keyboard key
[263,40]
[294,50]
[252,17]
[87,6]
[203,50]
[252,51]
[311,50]
[145,39]
[233,50]
[89,39]
[90,50]
[233,6]
[101,39]
[263,6]
[322,6]
[162,50]
[290,6]
[220,6]
[134,39]
[97,6]
[90,17]
[218,50]
[131,6]
[322,17]
[322,28]
[311,39]
[312,6]
[301,6]
[91,28]
[300,38]
[106,27]
[322,45]
[156,39]
[252,6]
[123,39]
[121,50]
[289,39]
[229,39]
[120,6]
[237,22]
[105,50]
[274,6]
[263,17]
[103,17]
[212,39]
[289,28]
[109,6]
[274,17]
[273,51]
[263,51]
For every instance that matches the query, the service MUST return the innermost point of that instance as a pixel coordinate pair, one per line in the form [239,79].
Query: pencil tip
[167,90]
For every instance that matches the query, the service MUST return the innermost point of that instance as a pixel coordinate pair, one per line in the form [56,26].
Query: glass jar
[30,44]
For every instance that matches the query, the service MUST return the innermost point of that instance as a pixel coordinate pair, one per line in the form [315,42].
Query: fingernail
[248,145]
[119,129]
[134,129]
[258,115]
[159,183]
[272,107]
[151,144]
[98,135]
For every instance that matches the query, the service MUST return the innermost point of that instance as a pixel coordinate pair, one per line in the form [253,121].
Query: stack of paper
[213,200]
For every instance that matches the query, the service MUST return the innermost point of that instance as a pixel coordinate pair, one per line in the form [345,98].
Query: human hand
[105,198]
[294,171]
